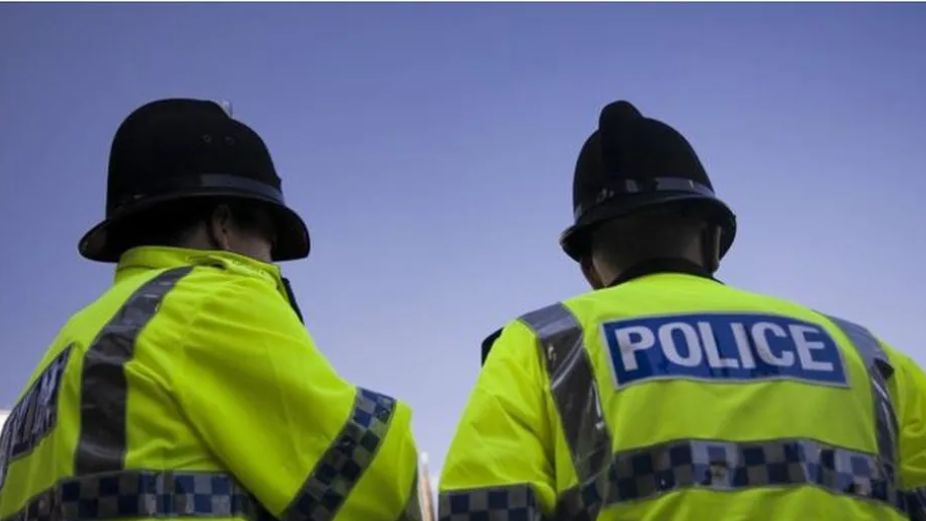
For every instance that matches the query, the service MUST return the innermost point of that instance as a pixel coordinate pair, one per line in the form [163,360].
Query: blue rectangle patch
[34,416]
[724,347]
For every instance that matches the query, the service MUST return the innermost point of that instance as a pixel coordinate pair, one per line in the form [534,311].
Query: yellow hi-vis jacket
[674,397]
[191,389]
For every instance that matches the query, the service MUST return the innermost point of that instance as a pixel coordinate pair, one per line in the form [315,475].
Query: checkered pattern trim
[143,494]
[511,503]
[341,466]
[722,465]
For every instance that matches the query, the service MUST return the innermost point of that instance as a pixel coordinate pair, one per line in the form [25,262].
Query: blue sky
[431,148]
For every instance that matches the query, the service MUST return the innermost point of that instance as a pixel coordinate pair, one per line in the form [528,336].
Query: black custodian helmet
[188,150]
[632,163]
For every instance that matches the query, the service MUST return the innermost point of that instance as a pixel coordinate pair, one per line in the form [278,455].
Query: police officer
[190,389]
[664,394]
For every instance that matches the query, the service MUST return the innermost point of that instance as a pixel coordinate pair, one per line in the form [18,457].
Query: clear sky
[431,149]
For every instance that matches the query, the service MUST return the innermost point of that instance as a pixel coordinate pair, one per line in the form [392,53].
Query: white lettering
[671,350]
[629,345]
[742,345]
[759,330]
[804,346]
[711,349]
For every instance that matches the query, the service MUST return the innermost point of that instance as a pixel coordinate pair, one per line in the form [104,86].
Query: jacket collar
[144,258]
[668,265]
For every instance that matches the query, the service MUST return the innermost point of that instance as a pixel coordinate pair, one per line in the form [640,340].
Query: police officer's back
[664,394]
[191,388]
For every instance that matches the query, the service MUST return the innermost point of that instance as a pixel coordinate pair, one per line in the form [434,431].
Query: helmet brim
[292,243]
[576,240]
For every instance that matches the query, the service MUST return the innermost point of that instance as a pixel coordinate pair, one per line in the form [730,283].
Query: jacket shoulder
[541,322]
[488,342]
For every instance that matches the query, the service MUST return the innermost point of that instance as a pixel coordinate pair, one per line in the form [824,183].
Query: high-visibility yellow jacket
[674,397]
[191,389]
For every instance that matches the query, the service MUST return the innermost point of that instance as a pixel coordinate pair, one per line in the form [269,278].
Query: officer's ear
[591,274]
[218,226]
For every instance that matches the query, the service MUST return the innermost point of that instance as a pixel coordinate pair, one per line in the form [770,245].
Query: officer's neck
[660,265]
[215,236]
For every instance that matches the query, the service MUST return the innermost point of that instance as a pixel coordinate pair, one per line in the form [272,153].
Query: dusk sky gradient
[430,148]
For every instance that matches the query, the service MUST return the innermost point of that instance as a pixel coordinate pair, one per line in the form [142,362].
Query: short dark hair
[172,223]
[664,231]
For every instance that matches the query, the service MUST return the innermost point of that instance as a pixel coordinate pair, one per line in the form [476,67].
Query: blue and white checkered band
[505,503]
[143,494]
[339,469]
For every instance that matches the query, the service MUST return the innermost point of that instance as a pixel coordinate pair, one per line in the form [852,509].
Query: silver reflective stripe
[879,370]
[572,384]
[143,494]
[102,443]
[342,465]
[503,503]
